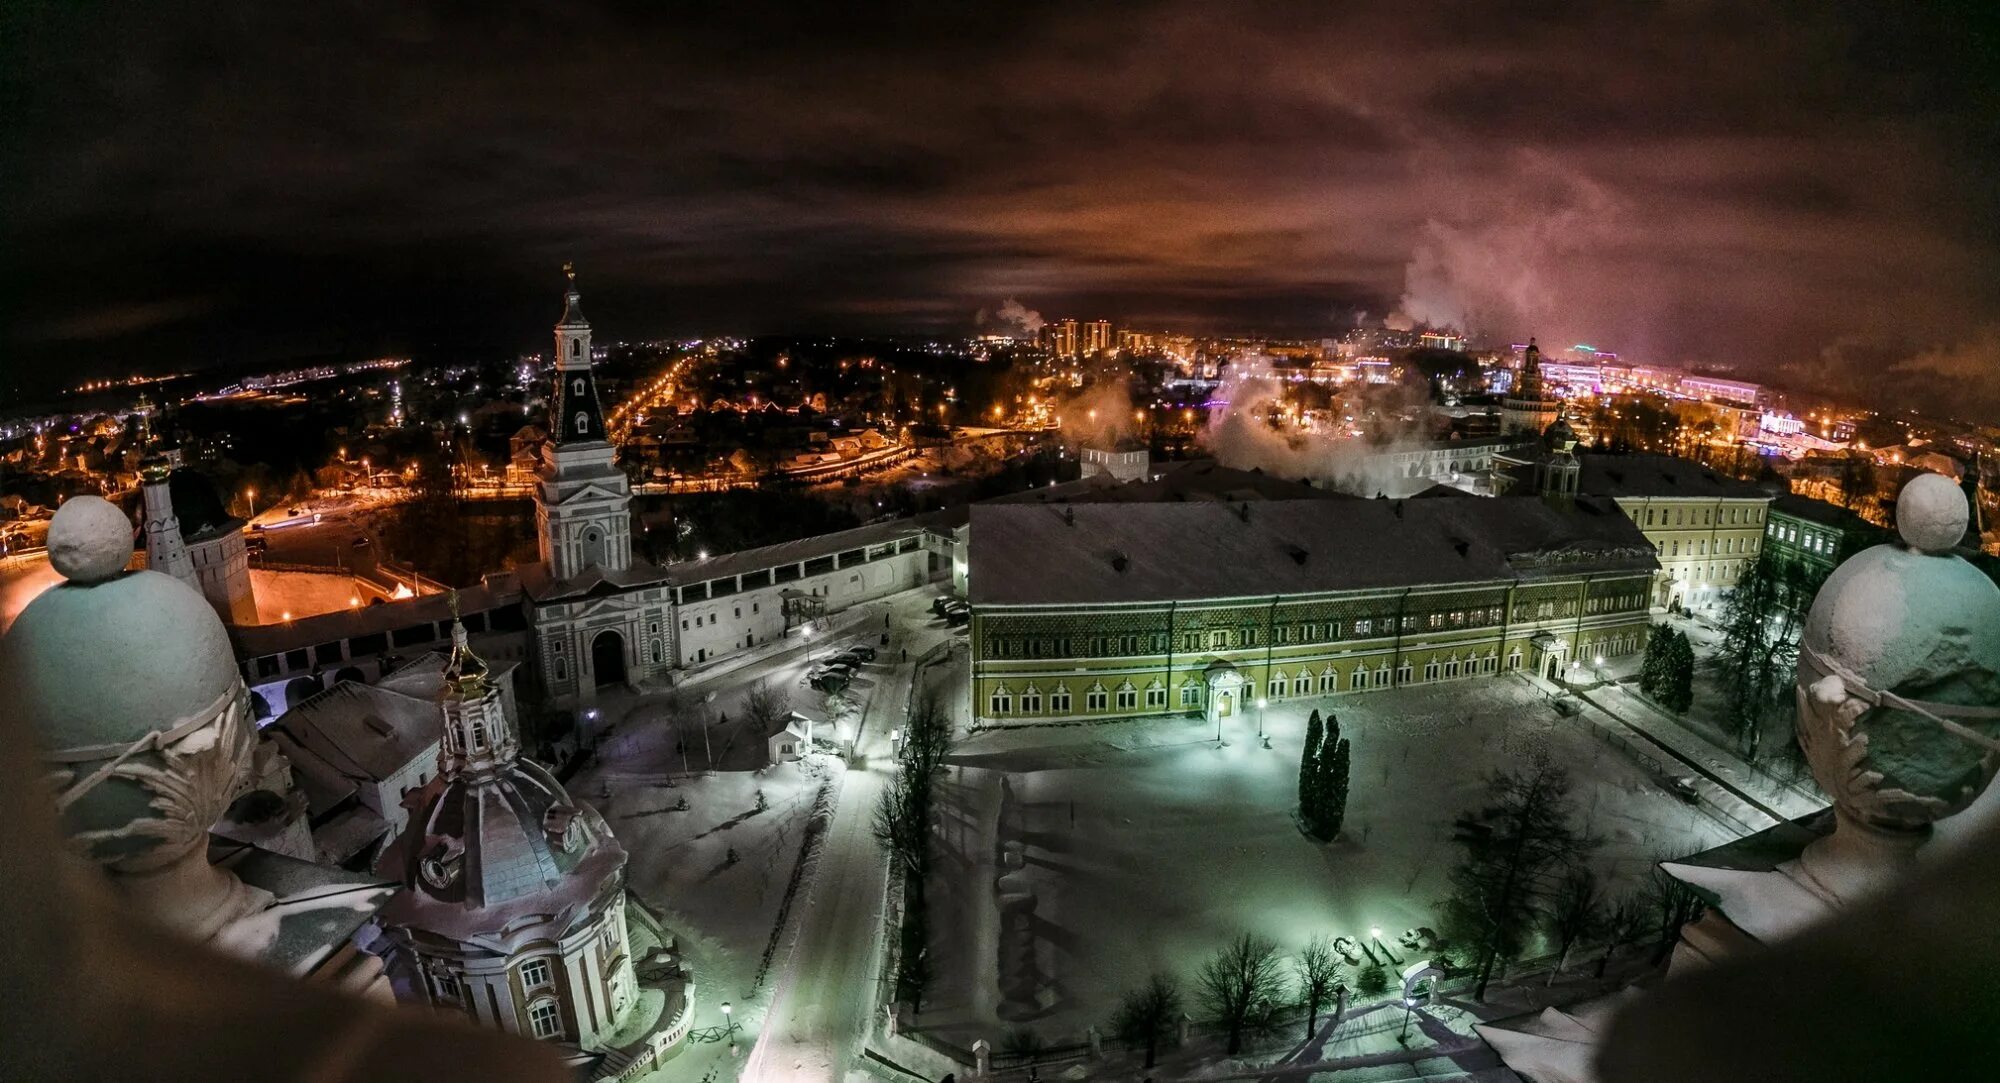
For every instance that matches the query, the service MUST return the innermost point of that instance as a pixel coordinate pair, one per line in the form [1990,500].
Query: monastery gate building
[1090,611]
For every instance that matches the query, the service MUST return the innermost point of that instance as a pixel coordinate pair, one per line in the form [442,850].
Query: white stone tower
[166,551]
[583,502]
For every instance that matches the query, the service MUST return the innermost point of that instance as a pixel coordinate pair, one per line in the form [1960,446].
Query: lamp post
[1261,703]
[251,494]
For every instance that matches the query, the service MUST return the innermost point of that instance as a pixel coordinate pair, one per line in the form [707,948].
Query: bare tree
[1622,921]
[1669,904]
[767,705]
[1516,848]
[1576,912]
[1235,980]
[1316,971]
[1146,1014]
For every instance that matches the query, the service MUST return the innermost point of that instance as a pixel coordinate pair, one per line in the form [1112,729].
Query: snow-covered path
[821,1001]
[824,993]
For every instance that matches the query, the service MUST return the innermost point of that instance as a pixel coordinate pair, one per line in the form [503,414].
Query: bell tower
[583,501]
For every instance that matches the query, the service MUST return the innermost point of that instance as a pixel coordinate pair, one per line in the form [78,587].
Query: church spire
[572,300]
[478,739]
[576,416]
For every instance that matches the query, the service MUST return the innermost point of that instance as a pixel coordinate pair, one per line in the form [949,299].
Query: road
[824,996]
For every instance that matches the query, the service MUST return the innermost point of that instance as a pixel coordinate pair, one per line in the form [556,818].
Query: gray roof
[1817,511]
[1193,479]
[1637,474]
[360,731]
[1106,553]
[803,549]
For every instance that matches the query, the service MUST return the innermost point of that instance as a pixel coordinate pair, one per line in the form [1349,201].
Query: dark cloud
[1705,181]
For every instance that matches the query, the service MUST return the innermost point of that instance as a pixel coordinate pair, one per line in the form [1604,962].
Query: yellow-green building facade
[1112,610]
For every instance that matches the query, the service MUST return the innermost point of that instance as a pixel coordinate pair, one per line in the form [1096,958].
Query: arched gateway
[607,657]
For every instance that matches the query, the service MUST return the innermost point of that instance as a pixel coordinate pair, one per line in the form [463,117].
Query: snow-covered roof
[1193,479]
[802,549]
[361,731]
[1645,475]
[1110,553]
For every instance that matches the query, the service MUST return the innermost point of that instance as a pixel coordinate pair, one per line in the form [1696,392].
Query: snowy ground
[1146,846]
[659,749]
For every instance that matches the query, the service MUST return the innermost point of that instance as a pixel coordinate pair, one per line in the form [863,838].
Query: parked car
[866,652]
[1684,788]
[834,666]
[938,603]
[958,616]
[828,682]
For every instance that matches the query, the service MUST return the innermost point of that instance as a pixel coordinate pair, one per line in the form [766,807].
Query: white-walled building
[737,601]
[600,616]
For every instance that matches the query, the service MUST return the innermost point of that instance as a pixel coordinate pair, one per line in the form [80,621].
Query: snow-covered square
[1144,845]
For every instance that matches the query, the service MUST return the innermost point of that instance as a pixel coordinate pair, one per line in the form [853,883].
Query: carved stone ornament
[1898,693]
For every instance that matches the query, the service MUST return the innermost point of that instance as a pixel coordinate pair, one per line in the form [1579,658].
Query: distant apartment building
[1060,338]
[1715,389]
[1096,336]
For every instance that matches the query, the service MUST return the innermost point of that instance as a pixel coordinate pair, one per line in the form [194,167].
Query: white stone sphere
[1931,513]
[90,540]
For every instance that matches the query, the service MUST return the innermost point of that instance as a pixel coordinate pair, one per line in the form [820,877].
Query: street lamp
[252,495]
[1261,704]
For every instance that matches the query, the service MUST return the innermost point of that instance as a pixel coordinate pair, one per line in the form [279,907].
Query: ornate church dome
[487,841]
[496,830]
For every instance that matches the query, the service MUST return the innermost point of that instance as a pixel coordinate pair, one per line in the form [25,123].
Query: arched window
[576,347]
[544,1020]
[582,421]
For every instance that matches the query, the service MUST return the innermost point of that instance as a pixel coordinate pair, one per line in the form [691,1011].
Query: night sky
[1807,190]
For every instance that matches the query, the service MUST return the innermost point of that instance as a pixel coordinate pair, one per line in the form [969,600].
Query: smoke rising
[1507,267]
[1355,459]
[1021,316]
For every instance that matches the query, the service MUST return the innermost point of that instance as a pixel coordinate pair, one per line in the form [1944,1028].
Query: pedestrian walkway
[1634,710]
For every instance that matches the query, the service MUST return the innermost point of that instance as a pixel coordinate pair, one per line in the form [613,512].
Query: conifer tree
[1678,694]
[1309,775]
[1336,787]
[1652,671]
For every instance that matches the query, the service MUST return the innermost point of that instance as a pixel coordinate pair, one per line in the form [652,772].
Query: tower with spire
[602,616]
[1529,409]
[583,504]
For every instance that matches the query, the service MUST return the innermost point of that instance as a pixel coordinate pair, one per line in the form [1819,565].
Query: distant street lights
[251,495]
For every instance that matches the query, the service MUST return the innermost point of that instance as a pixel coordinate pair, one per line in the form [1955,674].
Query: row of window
[1812,541]
[716,618]
[786,573]
[1737,516]
[1134,644]
[1002,700]
[1699,547]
